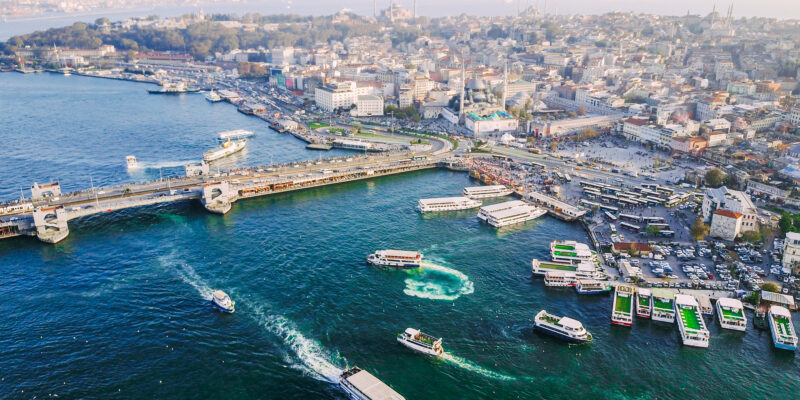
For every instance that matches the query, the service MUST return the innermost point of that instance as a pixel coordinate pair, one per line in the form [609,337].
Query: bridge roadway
[48,220]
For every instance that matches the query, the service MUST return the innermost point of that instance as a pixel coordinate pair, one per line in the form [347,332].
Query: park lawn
[317,125]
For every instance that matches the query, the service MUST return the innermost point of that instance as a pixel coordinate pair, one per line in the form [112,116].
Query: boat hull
[621,323]
[546,330]
[421,349]
[220,307]
[393,264]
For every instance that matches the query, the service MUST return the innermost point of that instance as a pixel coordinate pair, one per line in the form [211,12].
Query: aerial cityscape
[399,200]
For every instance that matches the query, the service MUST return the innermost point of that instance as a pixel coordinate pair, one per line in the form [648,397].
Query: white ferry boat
[560,279]
[592,286]
[235,134]
[571,251]
[447,204]
[731,314]
[222,301]
[395,258]
[690,321]
[131,162]
[483,213]
[515,215]
[780,324]
[644,303]
[172,88]
[361,385]
[421,342]
[663,305]
[561,327]
[213,97]
[486,192]
[622,311]
[225,149]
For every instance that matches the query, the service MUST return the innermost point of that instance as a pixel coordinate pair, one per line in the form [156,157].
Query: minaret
[713,14]
[375,8]
[505,85]
[415,10]
[391,10]
[463,84]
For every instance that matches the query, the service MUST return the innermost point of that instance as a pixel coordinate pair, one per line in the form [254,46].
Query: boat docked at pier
[172,88]
[486,192]
[222,301]
[225,149]
[395,258]
[560,279]
[690,321]
[571,251]
[731,314]
[644,300]
[561,327]
[236,134]
[213,97]
[514,215]
[663,305]
[592,286]
[421,342]
[780,324]
[485,211]
[361,385]
[447,204]
[622,311]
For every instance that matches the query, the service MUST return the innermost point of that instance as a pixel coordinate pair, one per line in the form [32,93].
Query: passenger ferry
[592,286]
[222,301]
[731,314]
[447,204]
[663,305]
[690,321]
[172,88]
[561,327]
[421,342]
[213,97]
[361,385]
[644,300]
[516,215]
[395,258]
[486,192]
[560,279]
[622,313]
[780,324]
[571,251]
[225,149]
[235,134]
[483,213]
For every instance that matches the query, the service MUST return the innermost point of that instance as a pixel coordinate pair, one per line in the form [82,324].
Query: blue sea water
[120,308]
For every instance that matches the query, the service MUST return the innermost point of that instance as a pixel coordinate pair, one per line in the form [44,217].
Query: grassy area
[732,314]
[564,247]
[316,125]
[623,304]
[558,267]
[644,300]
[337,130]
[664,305]
[565,253]
[690,318]
[426,133]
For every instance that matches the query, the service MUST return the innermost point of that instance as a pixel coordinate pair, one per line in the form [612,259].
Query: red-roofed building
[725,224]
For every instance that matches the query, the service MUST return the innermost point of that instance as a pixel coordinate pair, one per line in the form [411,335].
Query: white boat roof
[570,323]
[401,253]
[372,387]
[485,188]
[686,299]
[523,209]
[412,331]
[664,293]
[503,205]
[235,132]
[436,200]
[644,292]
[779,310]
[220,294]
[729,302]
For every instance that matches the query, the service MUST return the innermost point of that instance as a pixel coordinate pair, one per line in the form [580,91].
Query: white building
[791,250]
[723,198]
[333,96]
[496,122]
[794,116]
[726,225]
[367,105]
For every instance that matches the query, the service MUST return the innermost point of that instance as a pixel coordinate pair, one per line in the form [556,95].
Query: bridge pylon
[217,197]
[51,224]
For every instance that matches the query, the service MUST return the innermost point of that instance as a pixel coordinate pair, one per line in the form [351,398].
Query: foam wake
[188,275]
[437,282]
[313,358]
[472,367]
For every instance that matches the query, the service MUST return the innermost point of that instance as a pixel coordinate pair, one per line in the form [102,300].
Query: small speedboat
[222,301]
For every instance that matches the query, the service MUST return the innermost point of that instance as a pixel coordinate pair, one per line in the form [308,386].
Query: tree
[752,236]
[699,229]
[581,110]
[771,287]
[653,230]
[714,177]
[786,223]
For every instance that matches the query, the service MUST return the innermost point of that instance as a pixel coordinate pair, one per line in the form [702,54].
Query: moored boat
[447,204]
[395,258]
[213,97]
[222,301]
[361,385]
[483,213]
[592,286]
[780,324]
[731,314]
[560,279]
[690,321]
[561,327]
[571,251]
[516,215]
[663,305]
[644,301]
[225,149]
[485,192]
[622,311]
[416,340]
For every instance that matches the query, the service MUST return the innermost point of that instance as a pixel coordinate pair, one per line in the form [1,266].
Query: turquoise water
[120,309]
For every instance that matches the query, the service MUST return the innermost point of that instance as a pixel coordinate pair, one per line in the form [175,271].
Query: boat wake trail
[314,359]
[472,367]
[437,282]
[188,275]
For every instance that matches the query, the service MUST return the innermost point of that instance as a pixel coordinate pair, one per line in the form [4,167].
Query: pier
[47,212]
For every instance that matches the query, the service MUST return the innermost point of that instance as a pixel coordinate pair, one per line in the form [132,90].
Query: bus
[653,220]
[585,184]
[609,198]
[611,217]
[661,227]
[609,208]
[666,234]
[501,157]
[630,227]
[630,218]
[567,178]
[665,190]
[653,201]
[590,204]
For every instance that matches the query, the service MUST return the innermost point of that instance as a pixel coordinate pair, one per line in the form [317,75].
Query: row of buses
[648,194]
